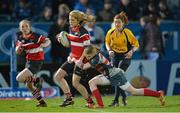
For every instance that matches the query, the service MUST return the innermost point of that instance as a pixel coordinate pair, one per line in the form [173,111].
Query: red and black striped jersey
[79,39]
[31,45]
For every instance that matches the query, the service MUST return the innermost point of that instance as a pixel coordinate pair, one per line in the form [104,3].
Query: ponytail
[81,17]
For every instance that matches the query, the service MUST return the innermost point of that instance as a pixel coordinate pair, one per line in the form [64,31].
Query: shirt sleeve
[107,38]
[132,39]
[17,42]
[86,40]
[103,59]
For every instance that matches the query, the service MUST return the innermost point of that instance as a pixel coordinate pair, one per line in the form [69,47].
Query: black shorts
[34,66]
[71,68]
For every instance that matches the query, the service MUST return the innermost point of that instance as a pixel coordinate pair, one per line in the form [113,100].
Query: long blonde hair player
[79,39]
[33,45]
[121,44]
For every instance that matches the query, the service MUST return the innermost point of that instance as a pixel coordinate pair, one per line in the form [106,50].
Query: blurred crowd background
[50,10]
[148,13]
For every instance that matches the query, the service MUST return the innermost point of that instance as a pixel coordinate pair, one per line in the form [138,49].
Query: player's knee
[134,92]
[76,84]
[91,83]
[18,78]
[58,75]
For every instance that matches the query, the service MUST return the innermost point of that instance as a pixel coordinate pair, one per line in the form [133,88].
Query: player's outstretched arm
[19,48]
[46,43]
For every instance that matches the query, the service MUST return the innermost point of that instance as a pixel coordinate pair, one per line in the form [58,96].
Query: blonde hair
[81,17]
[25,21]
[89,49]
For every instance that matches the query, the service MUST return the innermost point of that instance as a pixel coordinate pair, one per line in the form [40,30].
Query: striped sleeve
[103,59]
[30,46]
[18,43]
[86,39]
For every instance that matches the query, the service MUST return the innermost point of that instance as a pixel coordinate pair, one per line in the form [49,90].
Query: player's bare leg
[147,92]
[37,95]
[82,90]
[98,80]
[27,77]
[59,77]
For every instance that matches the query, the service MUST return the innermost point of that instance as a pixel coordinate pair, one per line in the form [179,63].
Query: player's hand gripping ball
[62,38]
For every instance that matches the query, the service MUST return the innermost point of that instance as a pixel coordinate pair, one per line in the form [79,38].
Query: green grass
[135,104]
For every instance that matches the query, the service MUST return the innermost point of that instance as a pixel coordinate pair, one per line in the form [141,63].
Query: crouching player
[111,75]
[33,45]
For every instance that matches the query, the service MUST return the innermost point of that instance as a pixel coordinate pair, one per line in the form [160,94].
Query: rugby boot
[124,101]
[162,98]
[67,102]
[114,103]
[90,103]
[41,103]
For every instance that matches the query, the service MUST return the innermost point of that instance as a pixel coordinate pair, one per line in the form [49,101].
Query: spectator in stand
[23,10]
[59,25]
[174,6]
[150,9]
[164,11]
[56,3]
[143,22]
[63,11]
[152,43]
[107,13]
[5,7]
[38,5]
[81,5]
[130,8]
[96,33]
[46,15]
[5,10]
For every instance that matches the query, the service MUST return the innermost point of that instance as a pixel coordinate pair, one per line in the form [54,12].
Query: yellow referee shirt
[119,44]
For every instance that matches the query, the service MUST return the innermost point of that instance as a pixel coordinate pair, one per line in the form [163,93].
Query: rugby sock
[30,79]
[68,95]
[149,92]
[37,95]
[97,95]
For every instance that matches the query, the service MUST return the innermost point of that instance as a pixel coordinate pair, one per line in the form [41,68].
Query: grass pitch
[135,104]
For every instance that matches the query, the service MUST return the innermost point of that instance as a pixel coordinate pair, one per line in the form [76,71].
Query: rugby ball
[63,38]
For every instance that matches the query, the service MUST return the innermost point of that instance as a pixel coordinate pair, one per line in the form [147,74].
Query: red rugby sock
[97,95]
[149,92]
